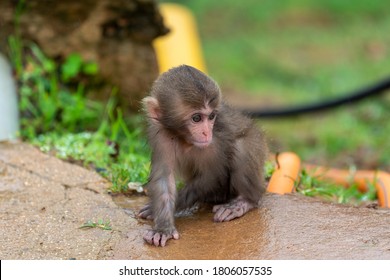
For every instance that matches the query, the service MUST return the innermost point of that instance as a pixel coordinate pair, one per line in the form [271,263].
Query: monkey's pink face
[200,126]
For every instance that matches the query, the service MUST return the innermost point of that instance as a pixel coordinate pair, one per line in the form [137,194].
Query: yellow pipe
[182,44]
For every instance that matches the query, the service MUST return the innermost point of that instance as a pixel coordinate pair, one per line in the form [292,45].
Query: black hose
[355,96]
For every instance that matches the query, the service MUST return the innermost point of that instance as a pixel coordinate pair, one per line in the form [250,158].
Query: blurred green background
[267,53]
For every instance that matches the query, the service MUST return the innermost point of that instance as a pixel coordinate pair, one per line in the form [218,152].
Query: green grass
[290,52]
[312,186]
[104,225]
[58,116]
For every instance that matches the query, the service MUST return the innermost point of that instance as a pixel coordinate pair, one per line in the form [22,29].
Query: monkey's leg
[234,209]
[246,179]
[187,196]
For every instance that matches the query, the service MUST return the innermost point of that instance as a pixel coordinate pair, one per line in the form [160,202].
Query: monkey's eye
[212,116]
[196,118]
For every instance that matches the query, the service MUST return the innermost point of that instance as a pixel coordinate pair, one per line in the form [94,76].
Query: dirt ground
[44,201]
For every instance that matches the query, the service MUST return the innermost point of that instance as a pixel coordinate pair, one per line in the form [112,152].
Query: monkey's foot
[229,211]
[146,212]
[156,238]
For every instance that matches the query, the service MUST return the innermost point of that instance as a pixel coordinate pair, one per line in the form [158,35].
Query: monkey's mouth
[202,144]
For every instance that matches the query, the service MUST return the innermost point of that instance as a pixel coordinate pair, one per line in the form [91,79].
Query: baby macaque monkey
[215,150]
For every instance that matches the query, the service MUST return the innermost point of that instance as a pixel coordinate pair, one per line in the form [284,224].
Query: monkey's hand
[146,212]
[157,238]
[234,209]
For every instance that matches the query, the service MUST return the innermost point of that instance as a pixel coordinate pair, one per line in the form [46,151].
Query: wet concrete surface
[44,201]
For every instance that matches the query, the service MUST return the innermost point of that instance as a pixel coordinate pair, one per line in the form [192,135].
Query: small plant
[104,225]
[269,169]
[74,65]
[14,41]
[48,102]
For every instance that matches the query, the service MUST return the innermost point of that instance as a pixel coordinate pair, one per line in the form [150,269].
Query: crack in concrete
[83,186]
[50,179]
[103,249]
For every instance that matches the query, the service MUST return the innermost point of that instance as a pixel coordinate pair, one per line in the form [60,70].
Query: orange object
[289,165]
[286,174]
[380,179]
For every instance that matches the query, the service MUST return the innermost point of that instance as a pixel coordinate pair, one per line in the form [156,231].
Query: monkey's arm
[162,190]
[163,207]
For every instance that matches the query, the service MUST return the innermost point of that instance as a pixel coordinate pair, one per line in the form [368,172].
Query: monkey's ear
[152,107]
